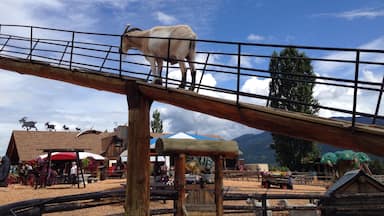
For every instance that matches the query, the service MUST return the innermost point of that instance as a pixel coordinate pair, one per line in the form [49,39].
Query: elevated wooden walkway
[364,138]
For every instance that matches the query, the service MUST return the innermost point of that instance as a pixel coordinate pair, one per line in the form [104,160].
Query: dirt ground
[15,193]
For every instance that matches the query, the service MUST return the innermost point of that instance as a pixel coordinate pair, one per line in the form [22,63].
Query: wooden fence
[234,203]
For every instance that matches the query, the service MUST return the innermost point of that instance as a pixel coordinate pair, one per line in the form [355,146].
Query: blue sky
[352,24]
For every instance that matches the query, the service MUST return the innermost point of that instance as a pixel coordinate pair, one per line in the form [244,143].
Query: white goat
[155,49]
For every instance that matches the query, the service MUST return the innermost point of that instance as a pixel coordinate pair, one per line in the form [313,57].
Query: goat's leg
[183,70]
[153,69]
[193,75]
[159,70]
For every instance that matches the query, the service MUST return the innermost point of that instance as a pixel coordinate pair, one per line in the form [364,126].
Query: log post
[137,193]
[219,185]
[180,183]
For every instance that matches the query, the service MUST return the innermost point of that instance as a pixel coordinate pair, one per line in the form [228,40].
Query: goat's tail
[192,49]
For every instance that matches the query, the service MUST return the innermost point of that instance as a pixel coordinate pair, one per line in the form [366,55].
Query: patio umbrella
[345,155]
[329,158]
[84,155]
[56,156]
[362,157]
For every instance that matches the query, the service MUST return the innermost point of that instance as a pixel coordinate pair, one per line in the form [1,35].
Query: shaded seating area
[79,170]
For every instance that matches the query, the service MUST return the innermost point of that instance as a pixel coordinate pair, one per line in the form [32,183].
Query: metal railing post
[71,55]
[30,43]
[33,48]
[121,54]
[167,70]
[355,88]
[105,59]
[378,102]
[238,73]
[203,72]
[65,50]
[5,44]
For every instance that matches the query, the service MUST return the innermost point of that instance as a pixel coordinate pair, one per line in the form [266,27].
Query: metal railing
[234,64]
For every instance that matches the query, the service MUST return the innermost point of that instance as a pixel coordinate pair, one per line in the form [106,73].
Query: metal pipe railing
[45,49]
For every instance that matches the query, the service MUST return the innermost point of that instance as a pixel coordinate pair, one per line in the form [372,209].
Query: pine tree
[292,81]
[156,122]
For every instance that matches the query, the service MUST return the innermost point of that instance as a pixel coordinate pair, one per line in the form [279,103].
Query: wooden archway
[216,149]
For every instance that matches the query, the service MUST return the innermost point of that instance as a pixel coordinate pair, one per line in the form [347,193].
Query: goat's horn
[126,28]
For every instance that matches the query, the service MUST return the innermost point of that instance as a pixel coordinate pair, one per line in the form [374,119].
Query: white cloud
[255,37]
[369,13]
[180,120]
[118,4]
[371,76]
[256,86]
[164,18]
[344,69]
[342,97]
[361,13]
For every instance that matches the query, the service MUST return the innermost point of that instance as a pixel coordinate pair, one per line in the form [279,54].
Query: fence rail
[237,203]
[235,64]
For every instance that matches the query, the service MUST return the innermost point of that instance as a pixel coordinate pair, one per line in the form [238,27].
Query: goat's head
[126,42]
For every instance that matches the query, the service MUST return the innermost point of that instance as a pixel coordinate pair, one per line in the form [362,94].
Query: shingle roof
[350,177]
[29,144]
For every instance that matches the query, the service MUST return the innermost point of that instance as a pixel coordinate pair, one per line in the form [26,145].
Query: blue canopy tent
[181,135]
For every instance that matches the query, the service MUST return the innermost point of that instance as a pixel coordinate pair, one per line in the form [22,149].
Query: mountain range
[256,147]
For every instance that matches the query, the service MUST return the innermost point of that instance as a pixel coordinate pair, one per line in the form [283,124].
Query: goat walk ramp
[361,137]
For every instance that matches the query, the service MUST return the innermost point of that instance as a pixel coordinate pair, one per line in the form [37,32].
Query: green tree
[156,122]
[292,81]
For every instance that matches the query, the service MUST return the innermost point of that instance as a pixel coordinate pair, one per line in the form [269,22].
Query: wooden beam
[86,78]
[228,149]
[138,192]
[369,139]
[366,138]
[219,200]
[180,183]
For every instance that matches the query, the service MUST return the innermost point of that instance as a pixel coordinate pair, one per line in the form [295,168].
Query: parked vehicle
[281,181]
[115,171]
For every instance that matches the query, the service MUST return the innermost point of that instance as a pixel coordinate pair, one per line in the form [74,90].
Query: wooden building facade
[355,193]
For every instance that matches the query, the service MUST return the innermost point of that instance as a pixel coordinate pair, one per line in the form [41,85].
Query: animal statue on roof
[49,126]
[154,43]
[27,124]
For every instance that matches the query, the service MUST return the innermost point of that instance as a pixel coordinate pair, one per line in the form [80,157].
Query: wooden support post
[138,193]
[79,167]
[219,185]
[180,183]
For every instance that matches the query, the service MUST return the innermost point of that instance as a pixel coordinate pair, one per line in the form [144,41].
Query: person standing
[5,166]
[73,174]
